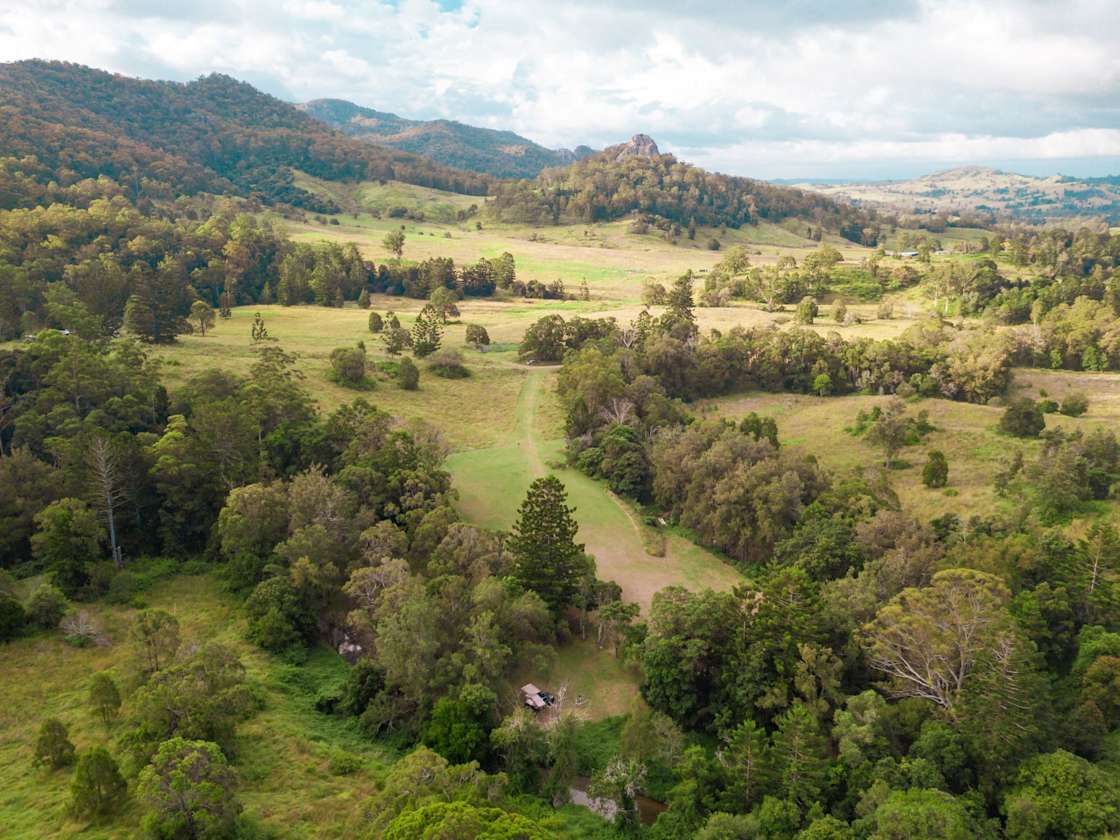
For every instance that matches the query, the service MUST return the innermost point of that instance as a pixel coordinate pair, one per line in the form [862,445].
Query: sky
[800,89]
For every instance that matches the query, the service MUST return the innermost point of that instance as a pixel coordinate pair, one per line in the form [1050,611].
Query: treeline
[109,252]
[110,257]
[599,188]
[64,123]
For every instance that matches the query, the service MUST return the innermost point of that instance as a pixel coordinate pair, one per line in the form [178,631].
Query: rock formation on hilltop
[640,145]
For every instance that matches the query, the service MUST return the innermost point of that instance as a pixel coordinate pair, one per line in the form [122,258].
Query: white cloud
[750,87]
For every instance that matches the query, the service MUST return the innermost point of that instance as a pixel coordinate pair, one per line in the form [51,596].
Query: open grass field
[284,753]
[965,432]
[493,481]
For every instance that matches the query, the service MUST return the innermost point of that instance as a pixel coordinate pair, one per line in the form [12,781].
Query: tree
[621,782]
[800,755]
[807,310]
[348,366]
[396,339]
[546,557]
[188,791]
[259,332]
[443,300]
[106,486]
[933,642]
[935,473]
[67,542]
[1062,795]
[376,325]
[156,634]
[523,745]
[394,243]
[46,606]
[747,759]
[104,697]
[1023,418]
[363,302]
[53,747]
[458,727]
[408,375]
[12,617]
[426,332]
[202,314]
[839,311]
[891,430]
[98,789]
[278,617]
[929,814]
[477,335]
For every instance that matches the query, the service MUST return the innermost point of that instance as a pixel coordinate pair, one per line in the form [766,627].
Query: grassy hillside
[284,756]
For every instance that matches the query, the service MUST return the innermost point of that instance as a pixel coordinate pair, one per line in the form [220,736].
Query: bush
[46,607]
[348,366]
[839,312]
[53,747]
[936,471]
[448,364]
[408,375]
[376,325]
[713,244]
[477,335]
[1047,406]
[807,310]
[124,586]
[1075,404]
[12,618]
[277,618]
[1023,418]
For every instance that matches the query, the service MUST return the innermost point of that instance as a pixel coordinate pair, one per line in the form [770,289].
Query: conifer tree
[98,788]
[547,558]
[426,332]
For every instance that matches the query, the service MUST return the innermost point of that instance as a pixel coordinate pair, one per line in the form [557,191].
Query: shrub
[12,618]
[46,607]
[807,310]
[408,375]
[1047,406]
[713,244]
[477,335]
[935,473]
[277,618]
[1075,404]
[1023,418]
[449,365]
[376,325]
[839,312]
[363,299]
[53,747]
[348,366]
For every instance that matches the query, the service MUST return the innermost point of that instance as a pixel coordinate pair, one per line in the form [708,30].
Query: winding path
[492,482]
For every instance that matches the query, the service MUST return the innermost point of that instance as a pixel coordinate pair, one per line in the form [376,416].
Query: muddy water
[648,809]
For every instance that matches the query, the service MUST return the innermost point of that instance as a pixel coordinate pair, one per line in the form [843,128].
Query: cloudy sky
[792,89]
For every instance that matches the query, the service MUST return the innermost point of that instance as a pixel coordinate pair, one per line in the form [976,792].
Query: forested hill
[634,178]
[499,153]
[62,123]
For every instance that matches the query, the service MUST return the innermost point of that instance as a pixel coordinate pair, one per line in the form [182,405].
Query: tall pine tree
[547,558]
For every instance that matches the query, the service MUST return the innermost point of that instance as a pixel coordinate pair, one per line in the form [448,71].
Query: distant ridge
[503,154]
[988,191]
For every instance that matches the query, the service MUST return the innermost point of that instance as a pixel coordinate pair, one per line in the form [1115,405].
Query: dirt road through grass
[492,483]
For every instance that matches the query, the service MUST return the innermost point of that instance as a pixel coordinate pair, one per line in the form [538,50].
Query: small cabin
[533,697]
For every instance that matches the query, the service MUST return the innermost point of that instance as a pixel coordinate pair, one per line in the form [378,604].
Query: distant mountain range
[1002,195]
[499,153]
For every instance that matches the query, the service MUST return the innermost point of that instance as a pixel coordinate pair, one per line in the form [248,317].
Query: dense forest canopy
[606,186]
[61,123]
